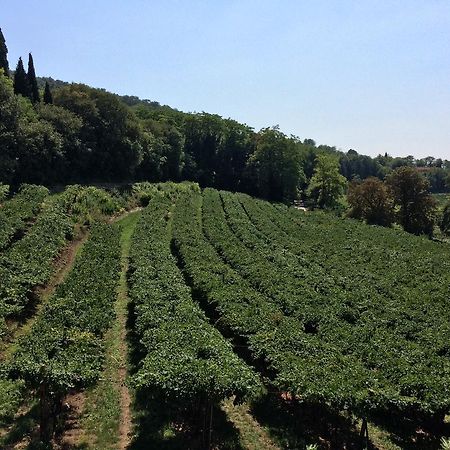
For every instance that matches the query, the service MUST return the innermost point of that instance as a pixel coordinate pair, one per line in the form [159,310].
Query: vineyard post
[210,425]
[364,434]
[44,425]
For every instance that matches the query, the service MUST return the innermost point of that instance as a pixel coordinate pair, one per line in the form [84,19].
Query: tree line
[403,197]
[60,133]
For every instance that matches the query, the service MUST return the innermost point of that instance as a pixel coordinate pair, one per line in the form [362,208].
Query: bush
[445,220]
[4,190]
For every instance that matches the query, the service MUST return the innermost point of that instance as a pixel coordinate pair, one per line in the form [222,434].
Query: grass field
[442,199]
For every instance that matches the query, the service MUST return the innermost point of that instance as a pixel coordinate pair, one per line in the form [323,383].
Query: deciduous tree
[277,165]
[369,200]
[327,184]
[416,208]
[9,125]
[445,220]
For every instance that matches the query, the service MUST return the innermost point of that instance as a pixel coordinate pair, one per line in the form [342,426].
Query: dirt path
[73,405]
[62,266]
[253,435]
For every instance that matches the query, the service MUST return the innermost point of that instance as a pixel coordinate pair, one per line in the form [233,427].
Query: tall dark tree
[21,85]
[34,91]
[275,166]
[48,97]
[3,55]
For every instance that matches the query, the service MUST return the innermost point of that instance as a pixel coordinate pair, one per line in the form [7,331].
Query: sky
[369,75]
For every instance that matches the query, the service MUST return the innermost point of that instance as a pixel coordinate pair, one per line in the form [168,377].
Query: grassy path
[252,435]
[107,421]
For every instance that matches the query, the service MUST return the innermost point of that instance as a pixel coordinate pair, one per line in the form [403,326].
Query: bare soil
[73,408]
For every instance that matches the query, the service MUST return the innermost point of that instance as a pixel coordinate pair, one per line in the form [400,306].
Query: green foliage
[31,75]
[363,296]
[9,125]
[162,150]
[110,132]
[3,55]
[438,178]
[445,220]
[370,200]
[356,166]
[216,150]
[340,328]
[416,206]
[327,184]
[21,83]
[87,203]
[28,262]
[48,97]
[11,396]
[4,191]
[143,192]
[38,138]
[64,348]
[185,357]
[96,136]
[16,212]
[276,164]
[58,356]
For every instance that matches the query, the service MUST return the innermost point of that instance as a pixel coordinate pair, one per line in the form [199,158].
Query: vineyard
[327,332]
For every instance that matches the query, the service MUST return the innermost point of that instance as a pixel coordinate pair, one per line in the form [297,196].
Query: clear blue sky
[369,75]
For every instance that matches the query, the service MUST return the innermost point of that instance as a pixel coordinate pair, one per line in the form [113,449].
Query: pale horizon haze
[373,76]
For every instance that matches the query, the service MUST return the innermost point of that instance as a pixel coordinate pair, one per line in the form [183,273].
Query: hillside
[318,326]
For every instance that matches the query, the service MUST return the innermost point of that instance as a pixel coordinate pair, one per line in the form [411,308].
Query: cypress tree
[21,85]
[31,75]
[3,55]
[48,97]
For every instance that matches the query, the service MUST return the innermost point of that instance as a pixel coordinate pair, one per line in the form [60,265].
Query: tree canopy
[77,133]
[370,200]
[31,75]
[416,207]
[327,184]
[21,83]
[276,165]
[3,55]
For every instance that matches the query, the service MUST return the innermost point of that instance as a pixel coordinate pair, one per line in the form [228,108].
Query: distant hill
[129,100]
[51,81]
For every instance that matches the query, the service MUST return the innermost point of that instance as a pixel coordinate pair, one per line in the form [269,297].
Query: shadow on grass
[22,429]
[169,425]
[411,433]
[293,425]
[23,433]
